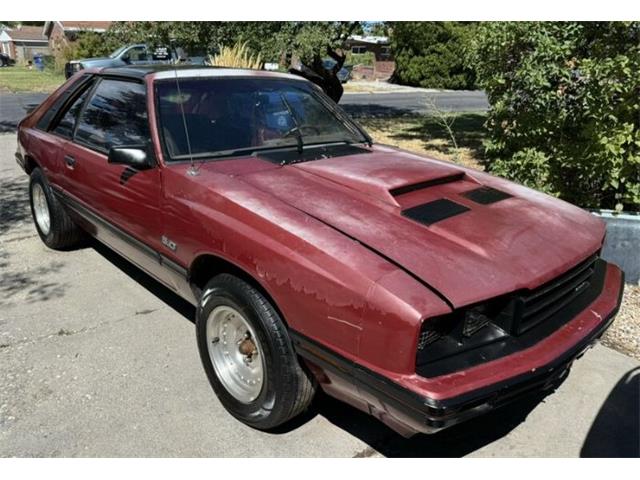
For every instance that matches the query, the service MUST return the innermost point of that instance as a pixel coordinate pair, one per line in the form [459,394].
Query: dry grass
[425,135]
[21,79]
[238,56]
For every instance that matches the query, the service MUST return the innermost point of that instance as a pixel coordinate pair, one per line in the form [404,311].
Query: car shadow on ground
[163,293]
[615,432]
[456,441]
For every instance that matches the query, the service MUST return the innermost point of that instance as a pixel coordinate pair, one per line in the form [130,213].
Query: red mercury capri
[416,290]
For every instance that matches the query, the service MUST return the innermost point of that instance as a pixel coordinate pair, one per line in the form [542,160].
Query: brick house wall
[383,62]
[23,42]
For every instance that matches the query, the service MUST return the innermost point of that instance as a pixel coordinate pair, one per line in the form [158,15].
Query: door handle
[70,161]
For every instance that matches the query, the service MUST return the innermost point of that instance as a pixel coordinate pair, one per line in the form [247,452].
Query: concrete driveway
[97,359]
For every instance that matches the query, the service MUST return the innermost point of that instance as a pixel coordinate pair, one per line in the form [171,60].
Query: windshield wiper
[230,152]
[296,129]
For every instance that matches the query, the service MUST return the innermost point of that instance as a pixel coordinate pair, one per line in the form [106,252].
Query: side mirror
[125,58]
[136,156]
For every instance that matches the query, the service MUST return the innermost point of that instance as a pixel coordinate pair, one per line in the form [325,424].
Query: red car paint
[327,241]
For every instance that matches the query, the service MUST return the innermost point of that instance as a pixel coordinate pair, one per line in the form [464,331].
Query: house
[23,42]
[59,34]
[383,63]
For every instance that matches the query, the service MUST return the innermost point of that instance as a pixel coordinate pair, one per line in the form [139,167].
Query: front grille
[537,305]
[517,321]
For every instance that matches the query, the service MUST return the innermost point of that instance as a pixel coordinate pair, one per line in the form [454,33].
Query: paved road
[13,105]
[97,359]
[401,103]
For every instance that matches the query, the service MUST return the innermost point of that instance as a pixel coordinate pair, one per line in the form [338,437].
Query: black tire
[288,388]
[63,232]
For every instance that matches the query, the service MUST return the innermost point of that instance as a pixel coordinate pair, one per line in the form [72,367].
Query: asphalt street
[13,106]
[418,101]
[97,359]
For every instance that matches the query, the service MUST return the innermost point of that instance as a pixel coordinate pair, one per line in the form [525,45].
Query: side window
[65,125]
[137,54]
[115,115]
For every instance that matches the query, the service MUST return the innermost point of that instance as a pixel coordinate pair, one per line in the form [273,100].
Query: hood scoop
[381,177]
[456,177]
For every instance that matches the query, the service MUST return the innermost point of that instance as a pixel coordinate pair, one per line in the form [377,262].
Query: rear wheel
[248,356]
[53,224]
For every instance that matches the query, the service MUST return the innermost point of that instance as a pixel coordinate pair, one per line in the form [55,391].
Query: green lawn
[21,79]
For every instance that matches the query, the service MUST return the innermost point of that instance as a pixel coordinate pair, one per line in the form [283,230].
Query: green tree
[565,107]
[431,54]
[310,42]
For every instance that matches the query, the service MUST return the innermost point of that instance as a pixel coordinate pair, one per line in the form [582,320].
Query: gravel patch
[624,333]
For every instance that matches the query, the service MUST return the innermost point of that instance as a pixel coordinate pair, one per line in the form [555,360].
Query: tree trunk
[327,79]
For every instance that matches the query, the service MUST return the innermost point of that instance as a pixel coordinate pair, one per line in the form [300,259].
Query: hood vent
[396,192]
[486,195]
[435,211]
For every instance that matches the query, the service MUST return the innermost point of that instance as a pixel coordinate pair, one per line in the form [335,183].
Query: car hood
[487,250]
[100,62]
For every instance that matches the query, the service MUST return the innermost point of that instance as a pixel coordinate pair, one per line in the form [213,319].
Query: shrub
[565,107]
[366,59]
[431,54]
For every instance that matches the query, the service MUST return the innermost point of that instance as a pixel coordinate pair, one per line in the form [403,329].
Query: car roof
[161,71]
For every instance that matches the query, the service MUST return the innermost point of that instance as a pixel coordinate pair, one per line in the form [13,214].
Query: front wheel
[248,356]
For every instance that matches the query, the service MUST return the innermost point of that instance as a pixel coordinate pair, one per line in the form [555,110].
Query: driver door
[120,201]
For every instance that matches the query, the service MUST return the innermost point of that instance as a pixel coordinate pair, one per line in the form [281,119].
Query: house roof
[75,26]
[26,33]
[374,39]
[80,25]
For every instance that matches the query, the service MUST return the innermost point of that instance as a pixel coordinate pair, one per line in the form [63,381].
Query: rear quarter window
[45,121]
[67,122]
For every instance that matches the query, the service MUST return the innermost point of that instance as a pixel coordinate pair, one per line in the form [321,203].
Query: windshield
[232,115]
[118,51]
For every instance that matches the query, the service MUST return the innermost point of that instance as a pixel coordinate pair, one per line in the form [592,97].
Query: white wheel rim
[41,209]
[236,353]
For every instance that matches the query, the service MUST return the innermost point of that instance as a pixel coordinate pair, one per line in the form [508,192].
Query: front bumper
[412,404]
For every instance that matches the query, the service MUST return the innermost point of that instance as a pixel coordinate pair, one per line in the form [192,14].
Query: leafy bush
[431,54]
[366,58]
[86,44]
[565,107]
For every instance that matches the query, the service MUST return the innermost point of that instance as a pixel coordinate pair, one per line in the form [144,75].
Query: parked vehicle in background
[136,54]
[6,60]
[419,291]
